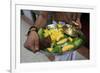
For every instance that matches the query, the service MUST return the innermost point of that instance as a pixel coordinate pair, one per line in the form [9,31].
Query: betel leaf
[66,36]
[57,49]
[40,33]
[78,42]
[81,35]
[67,43]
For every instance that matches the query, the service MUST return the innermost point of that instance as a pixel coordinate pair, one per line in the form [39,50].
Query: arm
[84,51]
[32,41]
[41,20]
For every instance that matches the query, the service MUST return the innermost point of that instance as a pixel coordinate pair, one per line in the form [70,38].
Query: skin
[32,41]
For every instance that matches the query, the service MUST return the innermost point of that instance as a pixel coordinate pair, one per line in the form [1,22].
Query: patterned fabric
[65,57]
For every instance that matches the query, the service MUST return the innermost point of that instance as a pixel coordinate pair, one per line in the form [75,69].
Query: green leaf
[78,42]
[57,49]
[40,33]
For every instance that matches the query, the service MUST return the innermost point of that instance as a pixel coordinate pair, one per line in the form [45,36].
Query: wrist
[32,29]
[32,32]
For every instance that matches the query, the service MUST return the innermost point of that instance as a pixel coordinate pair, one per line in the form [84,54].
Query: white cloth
[28,14]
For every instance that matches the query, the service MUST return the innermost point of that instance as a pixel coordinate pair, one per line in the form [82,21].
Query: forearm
[41,20]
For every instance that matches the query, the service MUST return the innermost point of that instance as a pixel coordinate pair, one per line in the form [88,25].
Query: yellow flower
[49,49]
[59,37]
[66,48]
[55,35]
[46,33]
[70,39]
[62,41]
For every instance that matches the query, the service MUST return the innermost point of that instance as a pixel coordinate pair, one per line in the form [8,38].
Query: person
[32,41]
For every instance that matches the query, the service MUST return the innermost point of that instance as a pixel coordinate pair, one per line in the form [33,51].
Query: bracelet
[32,28]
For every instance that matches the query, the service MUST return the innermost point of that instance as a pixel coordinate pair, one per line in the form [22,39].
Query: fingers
[32,42]
[36,45]
[36,41]
[77,23]
[33,49]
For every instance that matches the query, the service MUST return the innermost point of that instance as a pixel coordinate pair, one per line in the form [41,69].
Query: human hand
[32,41]
[77,23]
